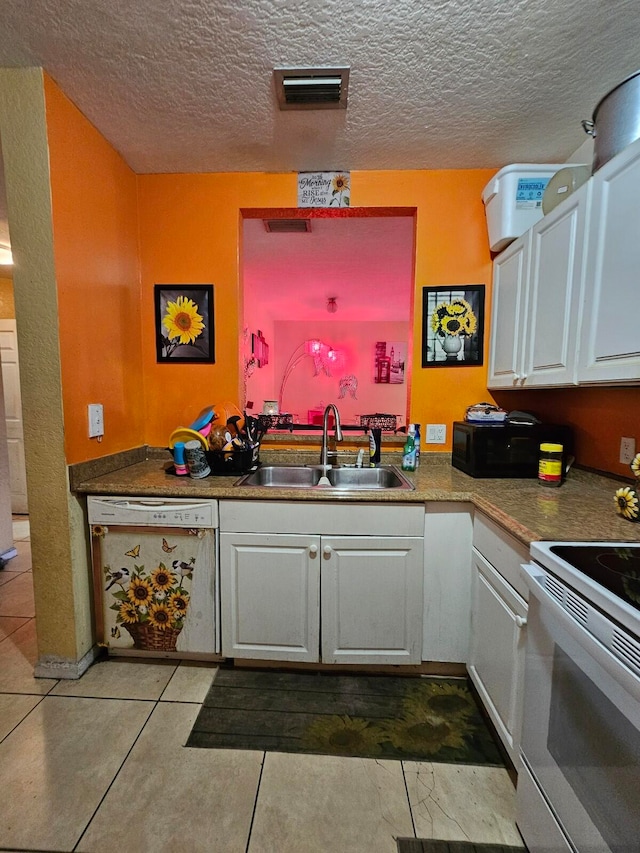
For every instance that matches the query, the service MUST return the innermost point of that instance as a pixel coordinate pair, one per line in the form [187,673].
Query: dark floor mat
[427,845]
[413,719]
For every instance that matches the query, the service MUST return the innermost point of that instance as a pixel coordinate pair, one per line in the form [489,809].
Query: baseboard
[52,666]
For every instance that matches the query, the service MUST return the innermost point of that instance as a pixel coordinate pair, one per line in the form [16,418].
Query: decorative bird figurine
[120,576]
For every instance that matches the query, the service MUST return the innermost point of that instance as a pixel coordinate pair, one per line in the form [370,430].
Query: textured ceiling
[186,86]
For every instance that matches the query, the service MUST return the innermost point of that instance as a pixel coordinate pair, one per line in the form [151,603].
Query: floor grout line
[117,773]
[406,788]
[255,802]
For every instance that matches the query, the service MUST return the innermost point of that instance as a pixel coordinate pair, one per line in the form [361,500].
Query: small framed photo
[184,323]
[453,325]
[260,349]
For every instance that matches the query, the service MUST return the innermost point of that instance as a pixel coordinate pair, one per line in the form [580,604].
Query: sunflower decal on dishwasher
[627,503]
[151,605]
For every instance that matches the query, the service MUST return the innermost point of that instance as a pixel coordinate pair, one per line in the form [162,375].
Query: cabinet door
[554,290]
[508,315]
[269,588]
[372,599]
[610,336]
[496,663]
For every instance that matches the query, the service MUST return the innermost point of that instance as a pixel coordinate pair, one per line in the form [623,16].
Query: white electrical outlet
[436,433]
[96,420]
[627,450]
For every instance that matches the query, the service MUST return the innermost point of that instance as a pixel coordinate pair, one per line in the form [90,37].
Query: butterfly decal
[134,552]
[168,548]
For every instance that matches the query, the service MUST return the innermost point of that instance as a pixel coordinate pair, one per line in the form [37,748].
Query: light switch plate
[96,420]
[436,433]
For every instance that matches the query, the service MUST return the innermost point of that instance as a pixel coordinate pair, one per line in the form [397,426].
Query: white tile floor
[100,765]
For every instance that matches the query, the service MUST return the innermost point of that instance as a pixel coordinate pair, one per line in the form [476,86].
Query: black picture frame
[200,348]
[461,307]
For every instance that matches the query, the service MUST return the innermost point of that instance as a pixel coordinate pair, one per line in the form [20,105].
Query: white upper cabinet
[508,314]
[566,295]
[536,300]
[610,328]
[555,280]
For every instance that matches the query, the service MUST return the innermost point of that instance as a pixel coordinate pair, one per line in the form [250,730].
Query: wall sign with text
[324,189]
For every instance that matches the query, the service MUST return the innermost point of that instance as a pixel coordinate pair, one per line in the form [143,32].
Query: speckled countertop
[581,509]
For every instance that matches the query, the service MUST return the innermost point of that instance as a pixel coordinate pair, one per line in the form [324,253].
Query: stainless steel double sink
[340,479]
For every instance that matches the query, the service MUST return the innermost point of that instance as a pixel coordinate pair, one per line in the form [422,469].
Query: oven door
[581,728]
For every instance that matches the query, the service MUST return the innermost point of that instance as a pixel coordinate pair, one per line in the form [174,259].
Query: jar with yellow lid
[550,464]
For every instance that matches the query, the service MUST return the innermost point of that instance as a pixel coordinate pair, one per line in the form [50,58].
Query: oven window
[598,751]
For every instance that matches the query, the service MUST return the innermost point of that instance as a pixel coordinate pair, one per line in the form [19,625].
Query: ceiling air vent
[312,88]
[287,226]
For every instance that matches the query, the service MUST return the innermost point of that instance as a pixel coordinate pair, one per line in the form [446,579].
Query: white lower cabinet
[270,596]
[371,599]
[321,594]
[498,628]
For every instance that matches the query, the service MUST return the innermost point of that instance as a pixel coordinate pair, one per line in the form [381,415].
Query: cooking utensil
[233,422]
[616,120]
[251,427]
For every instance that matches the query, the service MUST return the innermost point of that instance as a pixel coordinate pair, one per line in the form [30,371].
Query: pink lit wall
[356,344]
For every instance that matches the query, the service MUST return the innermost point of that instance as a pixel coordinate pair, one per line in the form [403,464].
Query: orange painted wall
[451,248]
[95,225]
[598,416]
[189,233]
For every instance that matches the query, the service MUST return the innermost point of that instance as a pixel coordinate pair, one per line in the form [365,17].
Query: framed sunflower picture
[453,325]
[184,323]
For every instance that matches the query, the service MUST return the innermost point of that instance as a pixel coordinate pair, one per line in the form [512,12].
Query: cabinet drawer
[512,598]
[502,551]
[339,519]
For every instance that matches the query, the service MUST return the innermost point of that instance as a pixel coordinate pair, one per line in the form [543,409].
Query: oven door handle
[610,659]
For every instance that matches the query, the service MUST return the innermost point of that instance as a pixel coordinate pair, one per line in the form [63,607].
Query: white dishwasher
[155,575]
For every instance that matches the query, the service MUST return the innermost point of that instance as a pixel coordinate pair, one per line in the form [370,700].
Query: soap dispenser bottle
[409,451]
